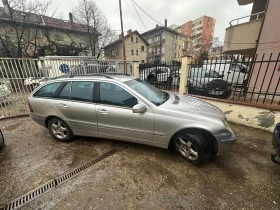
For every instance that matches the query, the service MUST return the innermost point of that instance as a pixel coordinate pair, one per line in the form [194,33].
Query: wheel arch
[205,133]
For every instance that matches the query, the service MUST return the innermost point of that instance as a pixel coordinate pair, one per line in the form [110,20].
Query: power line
[146,13]
[132,13]
[132,2]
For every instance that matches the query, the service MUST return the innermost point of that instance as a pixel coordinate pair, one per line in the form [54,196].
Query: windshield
[148,91]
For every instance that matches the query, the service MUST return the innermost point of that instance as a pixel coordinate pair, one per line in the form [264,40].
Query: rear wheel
[193,147]
[60,130]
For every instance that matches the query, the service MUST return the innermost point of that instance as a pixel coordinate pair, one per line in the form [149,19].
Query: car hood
[193,106]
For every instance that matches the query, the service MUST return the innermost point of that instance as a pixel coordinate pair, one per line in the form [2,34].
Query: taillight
[30,108]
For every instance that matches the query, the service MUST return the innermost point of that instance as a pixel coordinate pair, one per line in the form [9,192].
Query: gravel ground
[137,176]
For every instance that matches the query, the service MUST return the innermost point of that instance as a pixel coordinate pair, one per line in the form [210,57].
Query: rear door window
[82,91]
[48,90]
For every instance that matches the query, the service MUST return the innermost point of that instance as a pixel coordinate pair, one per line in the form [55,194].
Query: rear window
[48,91]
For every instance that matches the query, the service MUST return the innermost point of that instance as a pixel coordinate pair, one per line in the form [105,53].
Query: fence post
[186,60]
[135,72]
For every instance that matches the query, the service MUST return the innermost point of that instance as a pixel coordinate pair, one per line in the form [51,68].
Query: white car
[4,92]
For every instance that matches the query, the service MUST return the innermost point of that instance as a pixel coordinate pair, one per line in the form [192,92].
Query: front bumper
[225,142]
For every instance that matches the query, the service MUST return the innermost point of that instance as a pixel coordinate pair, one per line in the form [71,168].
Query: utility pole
[123,44]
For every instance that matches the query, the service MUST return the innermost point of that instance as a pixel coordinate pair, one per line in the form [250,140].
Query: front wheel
[193,147]
[60,130]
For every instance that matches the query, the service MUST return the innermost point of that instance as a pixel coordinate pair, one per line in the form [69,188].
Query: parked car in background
[4,92]
[158,74]
[233,72]
[123,108]
[207,82]
[276,144]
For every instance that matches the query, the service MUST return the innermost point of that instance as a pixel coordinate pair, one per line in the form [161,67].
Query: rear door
[76,104]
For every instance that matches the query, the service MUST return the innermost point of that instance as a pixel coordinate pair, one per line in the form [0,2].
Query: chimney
[6,6]
[129,32]
[156,25]
[71,20]
[165,23]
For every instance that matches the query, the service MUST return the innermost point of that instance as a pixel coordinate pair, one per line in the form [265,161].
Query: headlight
[227,125]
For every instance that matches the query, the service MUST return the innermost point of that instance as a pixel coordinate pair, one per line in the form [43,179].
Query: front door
[116,119]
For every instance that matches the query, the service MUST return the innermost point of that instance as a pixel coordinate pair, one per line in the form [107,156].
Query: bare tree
[18,18]
[88,14]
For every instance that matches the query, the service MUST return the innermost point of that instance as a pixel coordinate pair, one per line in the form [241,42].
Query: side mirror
[139,108]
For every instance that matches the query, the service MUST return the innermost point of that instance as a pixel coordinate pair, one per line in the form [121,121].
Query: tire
[2,141]
[169,81]
[192,147]
[60,130]
[226,94]
[151,79]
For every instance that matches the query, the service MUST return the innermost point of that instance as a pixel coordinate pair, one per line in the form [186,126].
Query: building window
[175,46]
[142,48]
[142,61]
[132,52]
[136,52]
[136,39]
[157,38]
[163,35]
[174,55]
[150,40]
[131,38]
[150,50]
[57,35]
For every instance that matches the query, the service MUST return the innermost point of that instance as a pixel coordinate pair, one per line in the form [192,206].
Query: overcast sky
[175,11]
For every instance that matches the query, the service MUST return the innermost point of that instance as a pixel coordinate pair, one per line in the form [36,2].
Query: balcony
[242,35]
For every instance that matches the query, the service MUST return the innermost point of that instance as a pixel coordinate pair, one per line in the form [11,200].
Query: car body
[5,92]
[123,108]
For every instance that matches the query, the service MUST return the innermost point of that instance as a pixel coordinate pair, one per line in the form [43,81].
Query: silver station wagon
[120,107]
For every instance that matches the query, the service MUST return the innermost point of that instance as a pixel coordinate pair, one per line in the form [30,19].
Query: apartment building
[135,48]
[200,30]
[165,44]
[42,35]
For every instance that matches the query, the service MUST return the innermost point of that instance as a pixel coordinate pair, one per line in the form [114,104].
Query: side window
[48,90]
[65,92]
[82,91]
[112,94]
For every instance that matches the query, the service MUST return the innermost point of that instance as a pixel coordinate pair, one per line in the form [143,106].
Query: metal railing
[257,15]
[19,77]
[253,80]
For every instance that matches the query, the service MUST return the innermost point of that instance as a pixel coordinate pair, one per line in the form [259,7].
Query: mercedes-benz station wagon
[123,108]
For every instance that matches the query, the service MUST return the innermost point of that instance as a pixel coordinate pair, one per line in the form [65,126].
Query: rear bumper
[38,119]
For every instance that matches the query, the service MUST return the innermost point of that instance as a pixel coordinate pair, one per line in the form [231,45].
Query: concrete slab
[137,176]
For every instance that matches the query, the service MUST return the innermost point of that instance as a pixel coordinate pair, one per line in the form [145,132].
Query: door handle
[102,111]
[63,106]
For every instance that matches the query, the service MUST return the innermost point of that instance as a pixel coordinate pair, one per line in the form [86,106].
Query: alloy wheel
[186,148]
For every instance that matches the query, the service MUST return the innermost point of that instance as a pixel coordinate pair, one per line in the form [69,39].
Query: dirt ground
[136,176]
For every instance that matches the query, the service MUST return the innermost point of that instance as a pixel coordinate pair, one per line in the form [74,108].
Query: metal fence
[19,77]
[164,75]
[253,80]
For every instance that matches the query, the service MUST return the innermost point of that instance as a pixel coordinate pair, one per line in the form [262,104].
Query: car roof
[105,76]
